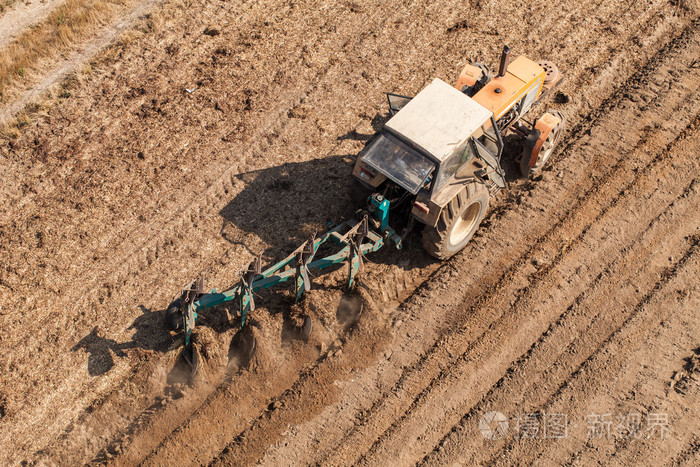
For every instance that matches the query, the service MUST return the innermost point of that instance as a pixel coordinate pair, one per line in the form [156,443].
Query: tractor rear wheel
[458,221]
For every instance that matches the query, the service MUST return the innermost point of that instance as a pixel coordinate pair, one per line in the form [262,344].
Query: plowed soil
[188,153]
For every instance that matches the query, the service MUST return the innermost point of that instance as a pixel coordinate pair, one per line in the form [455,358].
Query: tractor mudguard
[468,77]
[545,124]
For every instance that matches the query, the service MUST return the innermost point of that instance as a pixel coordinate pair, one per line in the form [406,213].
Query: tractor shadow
[286,204]
[377,123]
[511,156]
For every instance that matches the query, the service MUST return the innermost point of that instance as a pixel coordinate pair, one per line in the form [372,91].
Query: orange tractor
[441,150]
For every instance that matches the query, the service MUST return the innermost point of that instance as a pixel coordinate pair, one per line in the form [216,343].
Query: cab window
[453,163]
[399,162]
[489,139]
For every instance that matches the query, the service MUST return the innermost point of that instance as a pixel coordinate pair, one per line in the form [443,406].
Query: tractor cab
[438,136]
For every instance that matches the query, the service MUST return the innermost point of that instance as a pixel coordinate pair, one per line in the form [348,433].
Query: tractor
[436,162]
[439,156]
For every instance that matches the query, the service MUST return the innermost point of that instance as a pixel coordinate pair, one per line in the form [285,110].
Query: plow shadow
[150,334]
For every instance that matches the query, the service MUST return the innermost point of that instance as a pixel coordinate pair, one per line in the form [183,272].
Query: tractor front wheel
[547,147]
[458,221]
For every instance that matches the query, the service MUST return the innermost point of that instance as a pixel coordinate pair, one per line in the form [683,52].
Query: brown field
[573,312]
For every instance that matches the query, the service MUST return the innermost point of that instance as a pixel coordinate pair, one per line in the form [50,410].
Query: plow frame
[355,237]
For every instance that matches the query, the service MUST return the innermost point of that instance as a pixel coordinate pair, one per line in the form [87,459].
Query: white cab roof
[439,119]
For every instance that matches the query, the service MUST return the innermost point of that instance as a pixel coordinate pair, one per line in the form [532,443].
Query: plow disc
[173,315]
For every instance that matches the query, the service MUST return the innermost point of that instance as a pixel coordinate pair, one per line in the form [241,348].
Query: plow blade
[242,348]
[306,328]
[193,357]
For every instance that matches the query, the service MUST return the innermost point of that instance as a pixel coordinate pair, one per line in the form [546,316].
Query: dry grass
[5,4]
[33,112]
[11,130]
[70,22]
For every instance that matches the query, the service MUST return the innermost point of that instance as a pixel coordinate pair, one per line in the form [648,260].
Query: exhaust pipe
[504,62]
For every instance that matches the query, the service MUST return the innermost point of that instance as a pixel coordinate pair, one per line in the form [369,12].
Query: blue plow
[357,237]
